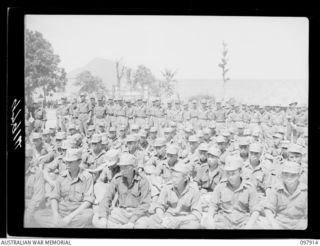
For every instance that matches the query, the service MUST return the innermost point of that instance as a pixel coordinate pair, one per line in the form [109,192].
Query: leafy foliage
[88,83]
[223,65]
[41,66]
[143,77]
[167,85]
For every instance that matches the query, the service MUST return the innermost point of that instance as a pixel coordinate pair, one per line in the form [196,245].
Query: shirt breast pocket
[78,194]
[226,200]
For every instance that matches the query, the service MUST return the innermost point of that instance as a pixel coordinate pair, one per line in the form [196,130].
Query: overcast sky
[259,47]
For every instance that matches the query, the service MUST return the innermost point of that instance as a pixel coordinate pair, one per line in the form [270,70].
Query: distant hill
[103,68]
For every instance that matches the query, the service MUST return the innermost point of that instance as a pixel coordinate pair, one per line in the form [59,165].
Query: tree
[41,66]
[88,83]
[129,77]
[167,85]
[224,68]
[144,77]
[120,69]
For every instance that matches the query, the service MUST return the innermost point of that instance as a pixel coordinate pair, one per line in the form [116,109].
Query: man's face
[46,138]
[244,151]
[82,98]
[206,137]
[102,129]
[143,140]
[193,145]
[132,146]
[213,161]
[240,131]
[127,171]
[122,133]
[37,142]
[233,176]
[73,166]
[167,136]
[28,161]
[222,146]
[194,105]
[72,131]
[112,134]
[100,102]
[58,143]
[161,150]
[203,155]
[276,141]
[254,158]
[134,131]
[178,179]
[153,135]
[290,179]
[284,153]
[295,157]
[172,159]
[96,147]
[52,132]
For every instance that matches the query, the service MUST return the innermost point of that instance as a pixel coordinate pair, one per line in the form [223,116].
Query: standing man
[84,113]
[100,112]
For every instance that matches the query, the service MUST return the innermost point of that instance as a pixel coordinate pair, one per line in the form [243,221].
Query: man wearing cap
[62,114]
[95,158]
[40,117]
[277,117]
[99,112]
[191,153]
[34,188]
[202,115]
[200,172]
[47,138]
[113,139]
[169,113]
[60,136]
[237,115]
[165,165]
[178,204]
[42,152]
[132,193]
[220,115]
[140,113]
[152,136]
[110,109]
[221,144]
[243,149]
[159,113]
[177,116]
[275,149]
[194,114]
[186,113]
[286,205]
[233,203]
[71,197]
[255,172]
[84,113]
[295,154]
[300,122]
[132,145]
[130,112]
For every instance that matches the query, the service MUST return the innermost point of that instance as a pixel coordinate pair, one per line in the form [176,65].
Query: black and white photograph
[166,122]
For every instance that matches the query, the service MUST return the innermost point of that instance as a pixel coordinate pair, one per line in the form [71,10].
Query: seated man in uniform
[71,197]
[178,204]
[286,203]
[34,188]
[133,196]
[233,202]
